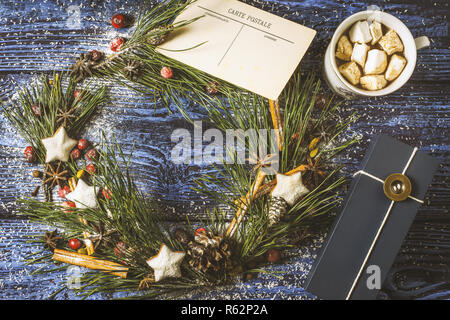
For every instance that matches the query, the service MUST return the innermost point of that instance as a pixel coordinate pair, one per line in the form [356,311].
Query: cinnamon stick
[244,201]
[277,121]
[90,262]
[257,190]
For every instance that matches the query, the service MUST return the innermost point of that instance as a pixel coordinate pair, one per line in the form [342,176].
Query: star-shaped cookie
[290,187]
[84,196]
[166,264]
[58,146]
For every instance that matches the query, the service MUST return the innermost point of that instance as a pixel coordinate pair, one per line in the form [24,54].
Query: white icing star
[58,146]
[84,196]
[166,263]
[290,187]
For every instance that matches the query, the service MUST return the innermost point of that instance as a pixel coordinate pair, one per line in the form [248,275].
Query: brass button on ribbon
[397,187]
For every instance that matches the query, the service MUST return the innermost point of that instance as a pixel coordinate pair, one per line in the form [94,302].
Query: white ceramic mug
[336,80]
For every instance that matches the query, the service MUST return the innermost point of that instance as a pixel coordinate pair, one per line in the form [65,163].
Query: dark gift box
[366,236]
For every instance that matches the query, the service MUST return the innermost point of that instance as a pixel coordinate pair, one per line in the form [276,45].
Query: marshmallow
[391,42]
[360,32]
[351,72]
[376,32]
[373,82]
[376,62]
[395,67]
[344,49]
[359,53]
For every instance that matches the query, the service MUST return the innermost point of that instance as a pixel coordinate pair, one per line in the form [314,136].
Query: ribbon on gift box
[397,187]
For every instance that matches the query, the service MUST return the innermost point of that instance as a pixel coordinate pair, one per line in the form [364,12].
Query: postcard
[243,45]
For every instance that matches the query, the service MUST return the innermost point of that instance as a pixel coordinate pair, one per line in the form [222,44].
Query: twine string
[380,228]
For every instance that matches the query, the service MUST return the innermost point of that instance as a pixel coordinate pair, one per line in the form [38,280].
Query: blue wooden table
[43,36]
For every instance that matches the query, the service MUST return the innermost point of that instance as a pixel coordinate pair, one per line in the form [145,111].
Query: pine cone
[209,252]
[278,207]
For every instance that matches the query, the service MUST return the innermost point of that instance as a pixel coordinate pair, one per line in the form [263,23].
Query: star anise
[65,115]
[51,239]
[132,69]
[100,234]
[316,170]
[54,176]
[267,162]
[146,282]
[82,68]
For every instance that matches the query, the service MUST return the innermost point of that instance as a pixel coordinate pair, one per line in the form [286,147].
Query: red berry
[199,230]
[29,154]
[74,243]
[273,255]
[92,154]
[90,168]
[106,193]
[82,144]
[77,94]
[75,154]
[68,204]
[62,192]
[116,44]
[36,110]
[166,72]
[96,55]
[118,21]
[295,137]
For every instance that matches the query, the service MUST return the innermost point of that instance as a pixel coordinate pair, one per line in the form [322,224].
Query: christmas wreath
[105,223]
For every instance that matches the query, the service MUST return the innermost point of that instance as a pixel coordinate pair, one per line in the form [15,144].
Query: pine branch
[302,121]
[49,99]
[187,82]
[133,216]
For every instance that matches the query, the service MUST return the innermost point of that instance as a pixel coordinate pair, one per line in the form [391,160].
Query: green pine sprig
[187,82]
[136,220]
[303,121]
[50,97]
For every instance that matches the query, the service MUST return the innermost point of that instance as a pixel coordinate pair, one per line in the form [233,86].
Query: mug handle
[422,42]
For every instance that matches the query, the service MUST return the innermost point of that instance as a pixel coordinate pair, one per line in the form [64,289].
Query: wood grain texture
[35,37]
